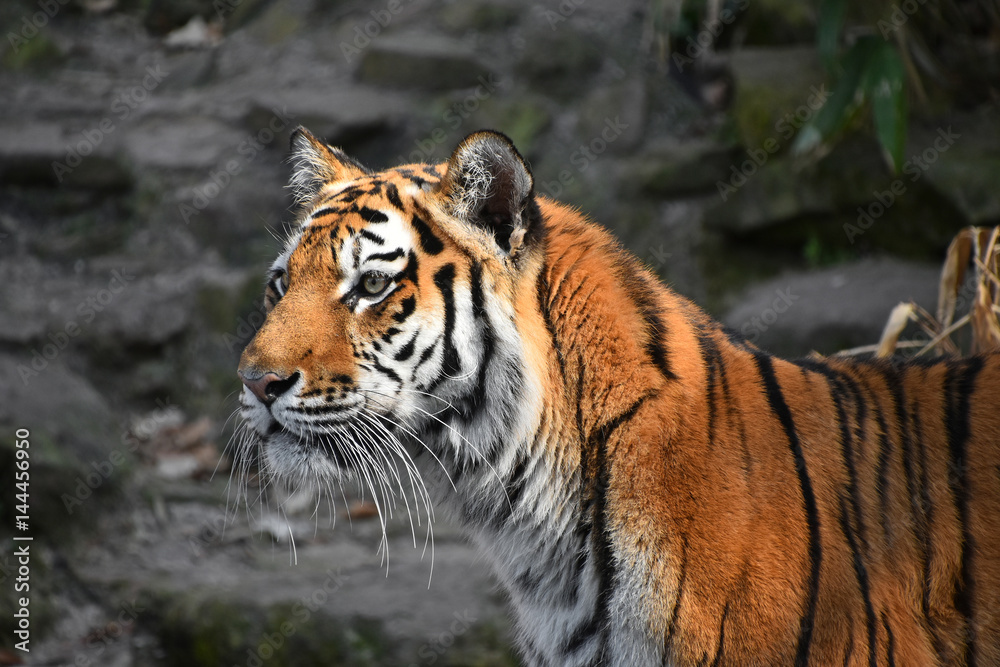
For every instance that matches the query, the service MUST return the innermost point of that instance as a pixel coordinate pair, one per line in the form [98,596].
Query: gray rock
[615,114]
[776,91]
[557,60]
[832,309]
[71,423]
[758,189]
[681,168]
[421,61]
[45,153]
[337,113]
[180,143]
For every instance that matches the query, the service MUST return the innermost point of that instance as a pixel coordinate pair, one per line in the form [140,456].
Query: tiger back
[648,487]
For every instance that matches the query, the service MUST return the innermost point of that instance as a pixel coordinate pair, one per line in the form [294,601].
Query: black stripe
[387,371]
[515,486]
[672,628]
[713,364]
[488,337]
[894,381]
[960,382]
[722,636]
[407,306]
[444,280]
[595,474]
[426,354]
[882,466]
[542,289]
[430,243]
[925,518]
[890,648]
[839,393]
[372,236]
[656,331]
[326,211]
[350,194]
[779,407]
[392,194]
[385,256]
[372,215]
[863,584]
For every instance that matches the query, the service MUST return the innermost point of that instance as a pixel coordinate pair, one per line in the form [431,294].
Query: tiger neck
[537,511]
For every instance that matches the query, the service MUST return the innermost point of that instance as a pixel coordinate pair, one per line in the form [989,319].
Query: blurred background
[797,168]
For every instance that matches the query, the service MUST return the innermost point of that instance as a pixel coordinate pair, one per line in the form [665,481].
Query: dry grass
[974,302]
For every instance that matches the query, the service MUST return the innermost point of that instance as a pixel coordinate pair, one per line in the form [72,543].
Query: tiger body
[649,488]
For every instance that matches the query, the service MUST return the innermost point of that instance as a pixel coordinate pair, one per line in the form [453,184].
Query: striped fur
[649,488]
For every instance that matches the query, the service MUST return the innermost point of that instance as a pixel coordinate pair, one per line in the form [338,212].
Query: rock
[776,91]
[675,168]
[831,309]
[37,386]
[770,22]
[846,203]
[193,142]
[213,591]
[43,153]
[971,184]
[421,61]
[164,16]
[615,113]
[463,17]
[522,118]
[31,53]
[342,115]
[959,161]
[558,61]
[195,34]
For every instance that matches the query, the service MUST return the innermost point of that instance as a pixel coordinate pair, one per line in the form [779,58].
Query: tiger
[647,486]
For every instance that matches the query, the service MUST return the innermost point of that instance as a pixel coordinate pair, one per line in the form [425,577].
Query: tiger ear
[314,164]
[488,185]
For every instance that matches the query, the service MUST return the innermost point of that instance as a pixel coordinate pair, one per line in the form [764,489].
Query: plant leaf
[884,83]
[831,20]
[845,99]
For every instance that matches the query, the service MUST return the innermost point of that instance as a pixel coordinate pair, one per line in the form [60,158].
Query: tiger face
[377,317]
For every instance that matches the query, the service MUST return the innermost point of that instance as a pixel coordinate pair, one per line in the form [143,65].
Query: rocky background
[142,165]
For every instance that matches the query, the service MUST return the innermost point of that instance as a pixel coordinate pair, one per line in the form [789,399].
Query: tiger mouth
[309,442]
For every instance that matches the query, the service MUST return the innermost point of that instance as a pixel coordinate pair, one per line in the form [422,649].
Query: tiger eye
[373,283]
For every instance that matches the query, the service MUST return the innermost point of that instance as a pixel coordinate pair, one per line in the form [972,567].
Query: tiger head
[391,315]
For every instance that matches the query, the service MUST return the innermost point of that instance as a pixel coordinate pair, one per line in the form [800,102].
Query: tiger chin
[648,487]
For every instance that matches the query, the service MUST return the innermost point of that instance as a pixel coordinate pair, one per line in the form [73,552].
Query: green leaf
[884,83]
[844,101]
[831,20]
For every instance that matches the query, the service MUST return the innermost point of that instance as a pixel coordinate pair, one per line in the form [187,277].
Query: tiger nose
[267,387]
